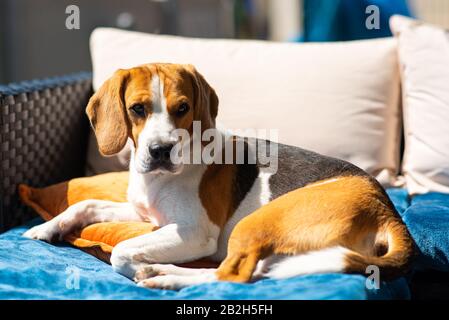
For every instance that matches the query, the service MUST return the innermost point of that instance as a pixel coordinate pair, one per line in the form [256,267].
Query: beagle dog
[314,214]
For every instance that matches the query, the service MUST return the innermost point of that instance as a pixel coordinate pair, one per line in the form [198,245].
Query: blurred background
[35,43]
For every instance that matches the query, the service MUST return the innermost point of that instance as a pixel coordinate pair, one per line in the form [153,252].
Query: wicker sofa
[44,135]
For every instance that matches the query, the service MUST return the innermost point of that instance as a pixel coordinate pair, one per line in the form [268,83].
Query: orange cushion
[97,239]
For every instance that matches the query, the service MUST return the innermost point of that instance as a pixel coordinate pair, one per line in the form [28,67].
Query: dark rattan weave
[43,132]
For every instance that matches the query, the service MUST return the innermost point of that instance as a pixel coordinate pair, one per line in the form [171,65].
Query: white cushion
[339,99]
[424,60]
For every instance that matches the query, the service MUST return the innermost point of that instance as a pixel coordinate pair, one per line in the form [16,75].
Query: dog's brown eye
[138,109]
[182,109]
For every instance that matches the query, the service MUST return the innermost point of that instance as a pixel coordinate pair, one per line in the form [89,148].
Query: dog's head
[148,104]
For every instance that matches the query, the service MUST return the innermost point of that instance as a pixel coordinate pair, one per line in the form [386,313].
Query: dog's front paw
[48,231]
[168,282]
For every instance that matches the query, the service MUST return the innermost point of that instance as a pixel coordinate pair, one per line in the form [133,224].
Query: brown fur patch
[224,186]
[320,215]
[216,192]
[106,112]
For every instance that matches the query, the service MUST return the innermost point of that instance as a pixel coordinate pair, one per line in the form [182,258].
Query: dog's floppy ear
[206,100]
[107,114]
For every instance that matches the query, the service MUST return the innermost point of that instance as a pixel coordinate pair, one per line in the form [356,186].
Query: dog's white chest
[168,199]
[147,211]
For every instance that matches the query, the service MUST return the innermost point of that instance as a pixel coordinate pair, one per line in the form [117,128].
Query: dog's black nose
[161,152]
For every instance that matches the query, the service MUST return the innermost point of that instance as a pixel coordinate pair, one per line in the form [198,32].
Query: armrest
[44,131]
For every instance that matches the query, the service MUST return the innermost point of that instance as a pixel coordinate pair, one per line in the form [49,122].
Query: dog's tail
[392,254]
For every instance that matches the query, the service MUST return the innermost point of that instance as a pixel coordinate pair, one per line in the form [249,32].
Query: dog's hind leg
[238,267]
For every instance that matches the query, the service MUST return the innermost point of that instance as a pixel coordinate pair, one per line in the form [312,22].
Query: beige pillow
[339,99]
[424,59]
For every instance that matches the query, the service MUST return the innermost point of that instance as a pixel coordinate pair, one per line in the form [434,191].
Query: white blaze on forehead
[159,125]
[157,95]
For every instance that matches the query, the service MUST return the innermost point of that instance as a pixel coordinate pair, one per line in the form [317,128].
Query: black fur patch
[244,178]
[298,167]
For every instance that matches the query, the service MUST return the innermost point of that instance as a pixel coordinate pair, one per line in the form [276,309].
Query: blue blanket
[37,270]
[427,219]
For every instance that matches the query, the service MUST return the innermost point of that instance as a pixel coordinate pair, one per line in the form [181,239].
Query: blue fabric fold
[427,219]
